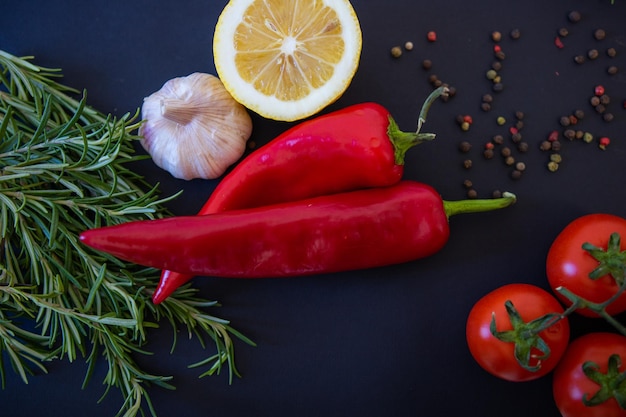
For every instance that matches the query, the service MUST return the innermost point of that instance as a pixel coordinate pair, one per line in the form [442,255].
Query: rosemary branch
[64,168]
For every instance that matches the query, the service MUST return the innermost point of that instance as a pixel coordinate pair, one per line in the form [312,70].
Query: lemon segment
[287,59]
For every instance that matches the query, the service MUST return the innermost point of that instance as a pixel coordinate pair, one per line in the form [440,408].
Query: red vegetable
[346,231]
[590,381]
[358,147]
[520,341]
[569,265]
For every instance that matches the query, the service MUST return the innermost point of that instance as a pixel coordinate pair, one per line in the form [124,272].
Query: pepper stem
[403,141]
[452,208]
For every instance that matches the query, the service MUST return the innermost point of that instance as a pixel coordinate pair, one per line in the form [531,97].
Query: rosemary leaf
[66,167]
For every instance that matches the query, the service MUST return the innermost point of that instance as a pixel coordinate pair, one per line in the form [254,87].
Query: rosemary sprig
[64,168]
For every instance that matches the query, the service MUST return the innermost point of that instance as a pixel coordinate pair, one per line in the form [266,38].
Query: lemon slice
[287,59]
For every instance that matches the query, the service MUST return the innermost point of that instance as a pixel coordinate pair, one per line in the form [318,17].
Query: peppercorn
[519,125]
[485,107]
[595,100]
[500,55]
[498,139]
[520,166]
[487,98]
[516,174]
[509,160]
[611,52]
[604,142]
[612,70]
[574,16]
[506,151]
[555,157]
[598,90]
[498,87]
[522,147]
[488,153]
[515,34]
[545,145]
[496,36]
[593,53]
[558,43]
[605,99]
[496,65]
[569,134]
[588,137]
[467,164]
[579,114]
[396,52]
[431,36]
[451,91]
[468,184]
[408,46]
[553,136]
[599,34]
[553,166]
[472,193]
[519,115]
[555,146]
[516,137]
[496,194]
[600,108]
[563,32]
[491,74]
[579,134]
[579,59]
[608,117]
[427,64]
[564,121]
[465,146]
[465,126]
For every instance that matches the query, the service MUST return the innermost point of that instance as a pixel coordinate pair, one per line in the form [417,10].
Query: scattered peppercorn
[564,121]
[555,146]
[491,74]
[431,36]
[579,114]
[500,120]
[516,174]
[498,87]
[515,34]
[553,166]
[588,137]
[611,52]
[509,160]
[427,64]
[600,108]
[488,98]
[468,184]
[563,32]
[555,157]
[574,16]
[604,142]
[506,151]
[396,52]
[605,99]
[598,90]
[595,101]
[522,147]
[496,194]
[519,115]
[467,164]
[579,59]
[570,134]
[488,153]
[500,55]
[558,43]
[496,65]
[496,36]
[472,193]
[408,46]
[465,126]
[612,70]
[608,117]
[465,146]
[599,34]
[498,139]
[593,54]
[553,136]
[545,145]
[485,107]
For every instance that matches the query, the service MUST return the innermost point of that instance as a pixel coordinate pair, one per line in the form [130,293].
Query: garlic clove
[194,128]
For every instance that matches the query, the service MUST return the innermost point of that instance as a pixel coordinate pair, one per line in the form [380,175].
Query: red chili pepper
[358,147]
[332,233]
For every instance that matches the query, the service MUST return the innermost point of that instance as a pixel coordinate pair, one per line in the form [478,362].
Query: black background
[385,342]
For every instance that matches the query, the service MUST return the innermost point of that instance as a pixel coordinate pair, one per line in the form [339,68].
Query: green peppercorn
[500,120]
[396,52]
[555,157]
[491,74]
[465,126]
[553,166]
[588,137]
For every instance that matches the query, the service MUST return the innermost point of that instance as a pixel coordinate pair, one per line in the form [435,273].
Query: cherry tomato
[570,383]
[498,357]
[568,264]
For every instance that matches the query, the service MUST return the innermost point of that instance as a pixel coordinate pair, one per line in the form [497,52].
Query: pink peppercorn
[431,36]
[558,43]
[553,136]
[599,90]
[604,142]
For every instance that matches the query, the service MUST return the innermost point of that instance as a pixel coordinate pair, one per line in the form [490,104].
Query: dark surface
[385,342]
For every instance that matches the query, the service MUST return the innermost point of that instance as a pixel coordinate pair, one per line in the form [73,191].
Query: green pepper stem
[403,141]
[478,205]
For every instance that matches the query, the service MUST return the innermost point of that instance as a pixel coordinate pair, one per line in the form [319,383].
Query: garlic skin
[194,128]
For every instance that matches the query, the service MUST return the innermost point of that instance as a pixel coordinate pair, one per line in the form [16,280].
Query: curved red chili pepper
[332,233]
[354,148]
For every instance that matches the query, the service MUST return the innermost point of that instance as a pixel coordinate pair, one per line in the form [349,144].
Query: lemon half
[287,59]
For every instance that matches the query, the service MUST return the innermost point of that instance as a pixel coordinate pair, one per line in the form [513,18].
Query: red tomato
[568,265]
[496,356]
[570,383]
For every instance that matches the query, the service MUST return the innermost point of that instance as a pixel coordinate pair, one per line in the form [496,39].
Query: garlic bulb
[194,128]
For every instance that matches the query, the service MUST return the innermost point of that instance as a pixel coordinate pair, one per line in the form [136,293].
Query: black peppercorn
[608,117]
[488,153]
[487,98]
[498,139]
[516,174]
[563,32]
[515,34]
[472,193]
[498,87]
[611,52]
[612,70]
[599,34]
[564,121]
[522,147]
[427,64]
[574,16]
[467,164]
[506,151]
[579,59]
[485,107]
[465,146]
[579,114]
[593,53]
[570,134]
